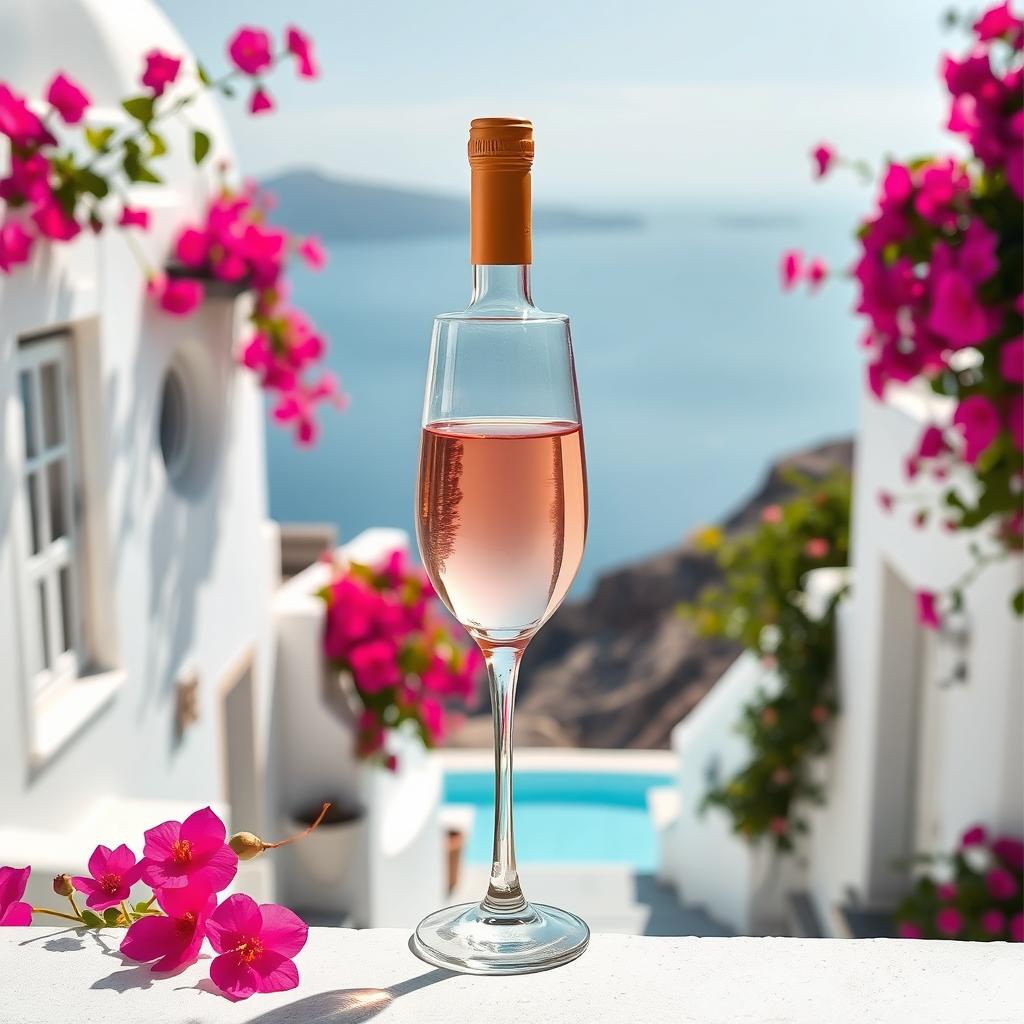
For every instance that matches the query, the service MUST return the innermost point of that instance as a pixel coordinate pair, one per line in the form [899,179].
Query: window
[50,559]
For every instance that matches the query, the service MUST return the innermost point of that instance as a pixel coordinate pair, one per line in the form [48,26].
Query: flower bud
[246,845]
[62,885]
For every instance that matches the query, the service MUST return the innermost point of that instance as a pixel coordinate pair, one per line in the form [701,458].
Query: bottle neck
[502,286]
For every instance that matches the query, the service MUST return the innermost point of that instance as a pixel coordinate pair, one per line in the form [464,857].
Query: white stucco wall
[185,579]
[914,762]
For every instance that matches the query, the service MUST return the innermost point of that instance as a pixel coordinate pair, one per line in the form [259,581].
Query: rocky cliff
[622,667]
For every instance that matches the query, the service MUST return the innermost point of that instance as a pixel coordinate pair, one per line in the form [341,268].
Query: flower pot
[325,856]
[455,847]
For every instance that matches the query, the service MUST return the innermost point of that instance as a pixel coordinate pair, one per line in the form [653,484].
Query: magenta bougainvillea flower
[249,50]
[817,547]
[192,853]
[67,98]
[978,420]
[927,610]
[1017,928]
[823,156]
[178,296]
[791,268]
[1011,361]
[54,223]
[375,664]
[949,921]
[909,930]
[13,911]
[18,123]
[817,271]
[132,217]
[114,872]
[1010,851]
[173,941]
[1001,884]
[161,71]
[260,102]
[999,22]
[974,836]
[312,252]
[15,245]
[301,46]
[256,945]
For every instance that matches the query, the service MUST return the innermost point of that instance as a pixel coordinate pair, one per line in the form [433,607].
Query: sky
[633,101]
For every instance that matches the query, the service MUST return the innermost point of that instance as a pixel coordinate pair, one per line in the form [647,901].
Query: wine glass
[501,523]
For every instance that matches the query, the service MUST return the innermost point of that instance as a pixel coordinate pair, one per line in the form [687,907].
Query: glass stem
[504,895]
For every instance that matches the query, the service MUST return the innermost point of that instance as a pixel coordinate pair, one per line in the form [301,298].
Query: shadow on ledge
[347,1005]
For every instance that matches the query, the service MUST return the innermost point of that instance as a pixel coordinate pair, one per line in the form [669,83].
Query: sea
[695,370]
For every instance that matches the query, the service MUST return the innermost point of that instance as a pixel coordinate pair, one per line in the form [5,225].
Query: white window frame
[54,654]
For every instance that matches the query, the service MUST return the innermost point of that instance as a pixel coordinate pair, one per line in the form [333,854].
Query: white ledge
[53,976]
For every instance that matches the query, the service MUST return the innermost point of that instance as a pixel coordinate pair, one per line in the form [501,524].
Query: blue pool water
[565,817]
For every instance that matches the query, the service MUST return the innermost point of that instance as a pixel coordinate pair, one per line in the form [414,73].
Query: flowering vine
[187,864]
[761,604]
[67,175]
[383,629]
[940,280]
[973,893]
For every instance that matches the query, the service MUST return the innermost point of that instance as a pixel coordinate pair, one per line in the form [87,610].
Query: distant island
[310,202]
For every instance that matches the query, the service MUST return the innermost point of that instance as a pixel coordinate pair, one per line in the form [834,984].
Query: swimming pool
[565,816]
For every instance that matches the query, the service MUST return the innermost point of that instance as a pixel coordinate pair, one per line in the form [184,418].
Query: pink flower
[956,314]
[779,825]
[19,124]
[976,256]
[949,921]
[53,222]
[978,420]
[15,245]
[375,665]
[29,180]
[161,71]
[134,217]
[249,50]
[1011,360]
[173,941]
[998,21]
[927,612]
[941,184]
[1010,852]
[993,921]
[180,296]
[192,248]
[771,514]
[189,853]
[909,930]
[974,836]
[13,912]
[817,547]
[816,272]
[1017,928]
[932,443]
[113,875]
[256,945]
[823,156]
[791,268]
[391,763]
[897,186]
[1001,884]
[432,717]
[67,99]
[886,500]
[260,101]
[301,46]
[312,252]
[1015,419]
[946,892]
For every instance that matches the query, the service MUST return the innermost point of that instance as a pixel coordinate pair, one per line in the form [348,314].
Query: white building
[930,736]
[139,606]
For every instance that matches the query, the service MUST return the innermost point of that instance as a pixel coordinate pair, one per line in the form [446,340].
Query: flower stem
[74,905]
[126,913]
[300,835]
[56,913]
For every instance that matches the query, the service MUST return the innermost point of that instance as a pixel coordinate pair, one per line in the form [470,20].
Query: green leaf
[204,75]
[91,919]
[159,146]
[140,107]
[112,917]
[200,146]
[1018,602]
[98,138]
[135,169]
[91,182]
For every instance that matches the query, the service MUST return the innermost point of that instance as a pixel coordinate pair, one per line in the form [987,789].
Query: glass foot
[472,940]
